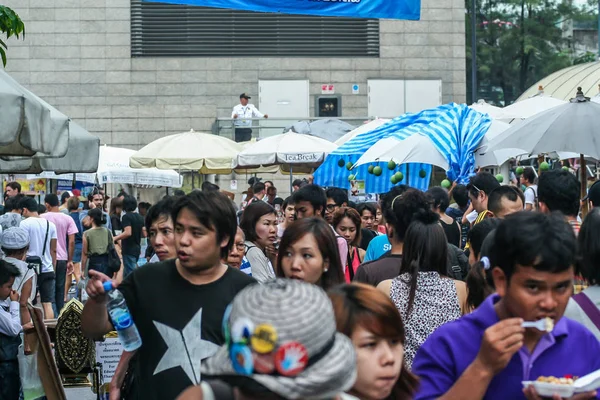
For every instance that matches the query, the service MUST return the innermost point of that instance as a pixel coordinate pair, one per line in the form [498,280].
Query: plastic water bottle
[121,318]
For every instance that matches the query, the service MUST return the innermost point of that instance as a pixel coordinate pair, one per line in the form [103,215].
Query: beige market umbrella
[189,151]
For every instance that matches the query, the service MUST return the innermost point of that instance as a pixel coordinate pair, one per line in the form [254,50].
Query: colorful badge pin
[264,363]
[291,358]
[264,339]
[241,331]
[241,359]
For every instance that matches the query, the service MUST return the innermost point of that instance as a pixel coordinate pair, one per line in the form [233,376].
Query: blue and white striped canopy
[455,130]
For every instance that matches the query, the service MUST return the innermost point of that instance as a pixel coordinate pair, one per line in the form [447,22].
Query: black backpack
[458,263]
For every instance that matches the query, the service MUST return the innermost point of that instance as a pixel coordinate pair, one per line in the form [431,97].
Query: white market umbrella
[293,149]
[287,148]
[29,125]
[487,159]
[572,127]
[529,107]
[485,108]
[414,149]
[113,167]
[189,151]
[368,127]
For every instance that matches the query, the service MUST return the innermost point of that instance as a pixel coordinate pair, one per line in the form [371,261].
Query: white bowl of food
[547,389]
[548,386]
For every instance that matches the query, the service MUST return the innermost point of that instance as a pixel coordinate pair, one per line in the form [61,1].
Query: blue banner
[65,185]
[386,9]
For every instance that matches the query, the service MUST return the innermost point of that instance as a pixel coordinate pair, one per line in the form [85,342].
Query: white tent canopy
[485,108]
[368,127]
[113,167]
[529,107]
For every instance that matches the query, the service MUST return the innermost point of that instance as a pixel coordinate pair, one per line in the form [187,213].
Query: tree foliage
[518,43]
[10,25]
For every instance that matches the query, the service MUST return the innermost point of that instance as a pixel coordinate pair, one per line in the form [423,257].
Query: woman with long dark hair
[259,223]
[373,323]
[308,251]
[423,293]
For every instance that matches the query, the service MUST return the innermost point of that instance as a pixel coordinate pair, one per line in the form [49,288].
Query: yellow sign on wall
[28,186]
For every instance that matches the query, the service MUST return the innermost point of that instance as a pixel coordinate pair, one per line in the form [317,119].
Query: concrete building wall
[77,56]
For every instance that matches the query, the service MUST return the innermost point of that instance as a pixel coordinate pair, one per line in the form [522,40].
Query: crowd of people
[422,295]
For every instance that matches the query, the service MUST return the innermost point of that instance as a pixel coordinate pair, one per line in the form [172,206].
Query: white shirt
[530,194]
[576,313]
[36,227]
[10,321]
[26,274]
[247,111]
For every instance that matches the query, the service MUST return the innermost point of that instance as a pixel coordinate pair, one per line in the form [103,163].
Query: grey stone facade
[77,56]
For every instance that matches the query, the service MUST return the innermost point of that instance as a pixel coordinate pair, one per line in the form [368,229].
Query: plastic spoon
[544,325]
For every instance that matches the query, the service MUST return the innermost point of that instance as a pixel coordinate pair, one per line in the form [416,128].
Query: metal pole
[474,51]
[598,29]
[291,179]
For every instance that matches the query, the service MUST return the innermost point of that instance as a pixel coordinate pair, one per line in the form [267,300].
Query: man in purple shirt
[487,353]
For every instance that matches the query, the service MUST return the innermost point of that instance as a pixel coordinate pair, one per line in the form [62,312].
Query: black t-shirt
[115,222]
[377,271]
[175,319]
[366,236]
[131,245]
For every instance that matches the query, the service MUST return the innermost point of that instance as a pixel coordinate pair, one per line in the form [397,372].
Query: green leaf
[3,56]
[10,25]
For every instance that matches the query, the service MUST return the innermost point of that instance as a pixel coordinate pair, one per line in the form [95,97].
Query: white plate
[550,389]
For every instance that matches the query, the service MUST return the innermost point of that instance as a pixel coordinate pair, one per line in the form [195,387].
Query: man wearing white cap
[15,243]
[243,133]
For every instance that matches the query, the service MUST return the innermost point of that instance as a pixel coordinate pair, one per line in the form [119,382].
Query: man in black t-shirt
[177,305]
[131,238]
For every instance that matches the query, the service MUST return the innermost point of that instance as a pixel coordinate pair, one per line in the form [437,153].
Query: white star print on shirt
[186,349]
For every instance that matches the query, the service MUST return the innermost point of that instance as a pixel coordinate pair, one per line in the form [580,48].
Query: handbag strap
[110,245]
[588,307]
[46,237]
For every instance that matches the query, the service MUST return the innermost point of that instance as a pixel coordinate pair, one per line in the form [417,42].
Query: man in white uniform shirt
[243,132]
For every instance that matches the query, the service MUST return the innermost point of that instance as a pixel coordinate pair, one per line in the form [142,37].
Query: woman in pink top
[347,222]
